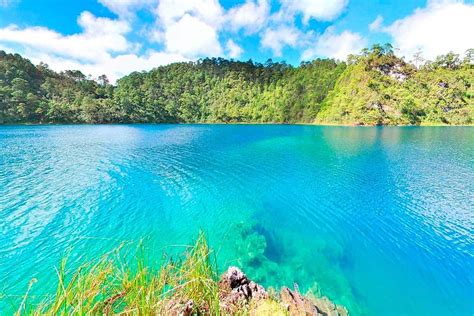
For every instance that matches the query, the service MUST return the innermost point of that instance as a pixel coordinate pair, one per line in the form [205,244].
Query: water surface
[379,219]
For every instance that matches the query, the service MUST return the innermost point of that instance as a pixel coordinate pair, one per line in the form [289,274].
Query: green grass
[110,286]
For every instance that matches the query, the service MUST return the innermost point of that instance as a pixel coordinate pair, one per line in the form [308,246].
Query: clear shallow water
[379,219]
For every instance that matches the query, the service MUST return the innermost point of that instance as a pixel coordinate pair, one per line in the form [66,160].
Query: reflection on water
[379,219]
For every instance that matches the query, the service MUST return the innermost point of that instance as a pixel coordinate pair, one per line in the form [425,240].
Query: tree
[374,87]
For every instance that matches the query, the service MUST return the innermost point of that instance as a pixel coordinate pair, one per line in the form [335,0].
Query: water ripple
[380,218]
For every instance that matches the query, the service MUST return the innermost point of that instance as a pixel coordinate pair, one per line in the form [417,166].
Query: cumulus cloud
[114,67]
[189,27]
[281,30]
[279,37]
[101,47]
[192,37]
[100,36]
[321,10]
[251,16]
[376,25]
[335,45]
[440,27]
[233,50]
[208,11]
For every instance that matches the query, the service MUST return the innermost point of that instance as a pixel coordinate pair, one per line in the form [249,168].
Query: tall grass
[110,286]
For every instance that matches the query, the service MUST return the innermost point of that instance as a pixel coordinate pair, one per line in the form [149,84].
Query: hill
[372,88]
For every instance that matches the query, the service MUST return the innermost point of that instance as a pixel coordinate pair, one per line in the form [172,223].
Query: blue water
[377,218]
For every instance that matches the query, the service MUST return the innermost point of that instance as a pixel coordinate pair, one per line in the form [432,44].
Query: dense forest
[372,88]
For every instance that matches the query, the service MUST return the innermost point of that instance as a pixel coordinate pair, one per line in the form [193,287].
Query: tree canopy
[374,87]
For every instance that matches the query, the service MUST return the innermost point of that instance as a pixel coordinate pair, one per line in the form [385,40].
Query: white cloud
[101,48]
[233,50]
[333,45]
[114,67]
[100,36]
[251,16]
[97,26]
[189,27]
[192,37]
[209,11]
[440,27]
[322,10]
[376,25]
[277,38]
[126,8]
[186,29]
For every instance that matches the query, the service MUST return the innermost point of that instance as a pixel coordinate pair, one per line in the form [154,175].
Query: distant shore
[241,123]
[375,88]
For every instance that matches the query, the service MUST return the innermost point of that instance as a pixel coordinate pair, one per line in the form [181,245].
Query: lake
[380,219]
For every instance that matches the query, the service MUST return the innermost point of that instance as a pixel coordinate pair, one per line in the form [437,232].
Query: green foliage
[36,94]
[375,87]
[378,88]
[114,285]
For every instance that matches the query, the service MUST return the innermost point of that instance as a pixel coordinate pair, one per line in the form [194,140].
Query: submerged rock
[298,304]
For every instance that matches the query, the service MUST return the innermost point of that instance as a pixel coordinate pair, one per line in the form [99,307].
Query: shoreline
[239,123]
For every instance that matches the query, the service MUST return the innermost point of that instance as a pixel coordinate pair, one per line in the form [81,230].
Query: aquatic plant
[276,258]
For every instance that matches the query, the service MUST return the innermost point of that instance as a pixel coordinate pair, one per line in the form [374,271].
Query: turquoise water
[377,218]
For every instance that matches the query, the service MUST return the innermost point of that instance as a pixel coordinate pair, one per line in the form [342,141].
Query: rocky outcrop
[237,292]
[239,295]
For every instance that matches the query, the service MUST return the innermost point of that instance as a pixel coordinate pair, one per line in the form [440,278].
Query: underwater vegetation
[275,258]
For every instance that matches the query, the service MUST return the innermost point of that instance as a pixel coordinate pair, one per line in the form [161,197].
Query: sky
[116,37]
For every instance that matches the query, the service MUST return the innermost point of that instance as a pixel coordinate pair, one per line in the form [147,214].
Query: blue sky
[116,37]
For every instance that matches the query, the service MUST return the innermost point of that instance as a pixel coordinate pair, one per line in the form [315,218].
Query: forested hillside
[375,87]
[379,88]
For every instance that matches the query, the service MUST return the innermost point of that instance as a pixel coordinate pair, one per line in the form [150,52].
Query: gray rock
[235,290]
